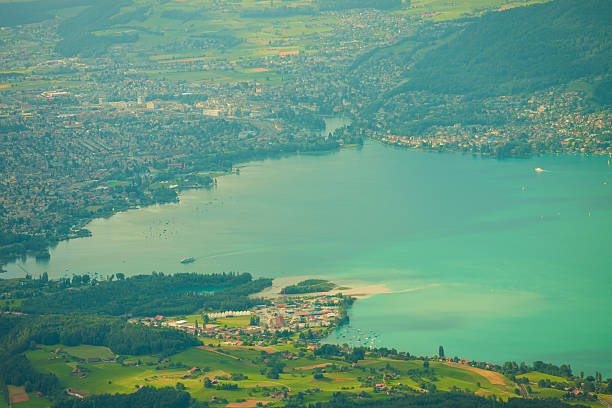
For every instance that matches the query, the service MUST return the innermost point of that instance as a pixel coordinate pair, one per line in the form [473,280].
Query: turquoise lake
[489,258]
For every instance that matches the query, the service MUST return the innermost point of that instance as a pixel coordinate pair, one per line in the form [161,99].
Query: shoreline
[81,224]
[355,288]
[85,222]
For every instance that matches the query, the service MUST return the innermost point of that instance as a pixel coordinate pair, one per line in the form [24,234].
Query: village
[277,321]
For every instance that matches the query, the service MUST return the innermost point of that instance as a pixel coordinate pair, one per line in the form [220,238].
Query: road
[524,392]
[604,402]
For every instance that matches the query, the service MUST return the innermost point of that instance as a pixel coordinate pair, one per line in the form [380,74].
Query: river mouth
[488,258]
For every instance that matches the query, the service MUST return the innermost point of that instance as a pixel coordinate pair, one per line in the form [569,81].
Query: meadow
[225,362]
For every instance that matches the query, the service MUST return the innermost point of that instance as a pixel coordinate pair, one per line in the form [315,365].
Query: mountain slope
[521,50]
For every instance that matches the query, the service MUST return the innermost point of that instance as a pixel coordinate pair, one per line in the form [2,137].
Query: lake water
[489,258]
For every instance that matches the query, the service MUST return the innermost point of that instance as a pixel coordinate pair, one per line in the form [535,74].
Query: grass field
[537,376]
[440,10]
[224,361]
[21,399]
[241,321]
[85,352]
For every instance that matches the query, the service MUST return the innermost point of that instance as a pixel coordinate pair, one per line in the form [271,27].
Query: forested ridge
[520,50]
[514,82]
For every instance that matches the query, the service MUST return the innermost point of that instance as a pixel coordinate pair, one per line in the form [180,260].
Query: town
[309,317]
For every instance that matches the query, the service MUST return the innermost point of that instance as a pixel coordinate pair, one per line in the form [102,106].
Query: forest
[147,295]
[550,44]
[27,12]
[166,397]
[437,400]
[77,31]
[73,330]
[308,286]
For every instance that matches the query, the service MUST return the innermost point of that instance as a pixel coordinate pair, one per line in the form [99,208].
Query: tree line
[25,331]
[432,399]
[146,295]
[165,397]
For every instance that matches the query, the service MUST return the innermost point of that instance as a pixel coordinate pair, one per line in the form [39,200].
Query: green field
[222,362]
[85,352]
[34,401]
[241,321]
[440,10]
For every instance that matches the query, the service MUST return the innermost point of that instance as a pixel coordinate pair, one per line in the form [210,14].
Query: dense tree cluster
[512,368]
[73,330]
[152,294]
[303,118]
[434,399]
[27,12]
[308,286]
[550,44]
[77,31]
[166,397]
[13,245]
[17,370]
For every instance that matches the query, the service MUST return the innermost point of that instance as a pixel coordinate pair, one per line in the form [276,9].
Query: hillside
[520,50]
[514,82]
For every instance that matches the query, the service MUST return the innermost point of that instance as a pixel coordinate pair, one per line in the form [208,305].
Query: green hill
[520,50]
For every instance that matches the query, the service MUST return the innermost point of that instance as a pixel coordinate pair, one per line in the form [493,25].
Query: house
[279,394]
[75,393]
